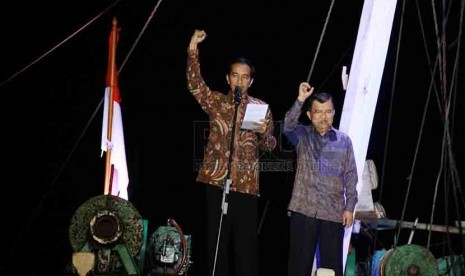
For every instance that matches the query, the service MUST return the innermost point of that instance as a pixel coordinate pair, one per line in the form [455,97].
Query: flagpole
[112,68]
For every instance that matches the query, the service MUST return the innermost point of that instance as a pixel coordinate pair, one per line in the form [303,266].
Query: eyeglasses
[329,112]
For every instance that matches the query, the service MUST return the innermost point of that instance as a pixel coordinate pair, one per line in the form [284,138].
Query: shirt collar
[332,133]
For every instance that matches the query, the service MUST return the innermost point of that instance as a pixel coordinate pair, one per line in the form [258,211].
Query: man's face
[240,75]
[321,115]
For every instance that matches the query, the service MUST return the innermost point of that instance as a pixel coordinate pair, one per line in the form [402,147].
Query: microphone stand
[224,202]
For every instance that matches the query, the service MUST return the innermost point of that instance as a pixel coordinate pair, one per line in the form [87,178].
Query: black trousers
[238,244]
[305,234]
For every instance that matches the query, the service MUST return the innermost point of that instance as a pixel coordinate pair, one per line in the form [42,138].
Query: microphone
[237,94]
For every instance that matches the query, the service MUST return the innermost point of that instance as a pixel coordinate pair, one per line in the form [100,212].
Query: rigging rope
[391,104]
[61,43]
[447,139]
[319,42]
[444,110]
[336,65]
[447,161]
[140,35]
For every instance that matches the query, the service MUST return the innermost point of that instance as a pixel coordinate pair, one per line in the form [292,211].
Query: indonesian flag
[119,175]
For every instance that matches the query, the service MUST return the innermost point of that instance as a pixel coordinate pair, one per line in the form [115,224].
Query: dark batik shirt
[326,176]
[220,109]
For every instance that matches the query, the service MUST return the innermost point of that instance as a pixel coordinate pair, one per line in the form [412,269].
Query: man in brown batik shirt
[239,224]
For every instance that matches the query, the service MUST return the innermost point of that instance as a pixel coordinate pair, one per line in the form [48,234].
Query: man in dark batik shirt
[239,226]
[324,193]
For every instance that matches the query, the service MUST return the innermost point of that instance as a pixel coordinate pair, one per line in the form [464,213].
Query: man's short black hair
[320,97]
[243,60]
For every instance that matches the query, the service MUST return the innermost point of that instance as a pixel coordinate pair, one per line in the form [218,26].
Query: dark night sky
[48,106]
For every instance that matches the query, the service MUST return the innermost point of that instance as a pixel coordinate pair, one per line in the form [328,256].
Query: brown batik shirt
[326,176]
[220,109]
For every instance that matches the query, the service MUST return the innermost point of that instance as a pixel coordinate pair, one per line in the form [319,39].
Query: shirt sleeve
[291,120]
[267,141]
[196,83]
[350,178]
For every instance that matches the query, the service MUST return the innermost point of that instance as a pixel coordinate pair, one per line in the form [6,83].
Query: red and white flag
[119,174]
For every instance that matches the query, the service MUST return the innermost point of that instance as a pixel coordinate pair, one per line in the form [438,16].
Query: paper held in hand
[254,114]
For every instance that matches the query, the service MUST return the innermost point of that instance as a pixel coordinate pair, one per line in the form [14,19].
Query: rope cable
[386,143]
[335,66]
[59,44]
[140,35]
[432,86]
[428,58]
[392,100]
[321,39]
[438,42]
[449,120]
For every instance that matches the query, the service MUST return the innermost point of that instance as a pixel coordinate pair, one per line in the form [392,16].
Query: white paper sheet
[254,114]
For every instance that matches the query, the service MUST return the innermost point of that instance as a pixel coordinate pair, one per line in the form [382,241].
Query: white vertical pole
[364,81]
